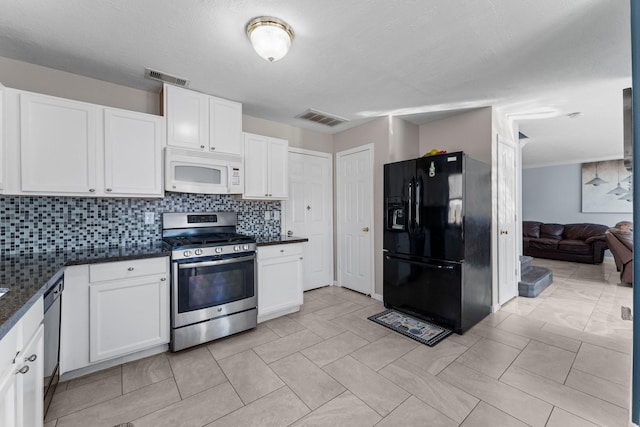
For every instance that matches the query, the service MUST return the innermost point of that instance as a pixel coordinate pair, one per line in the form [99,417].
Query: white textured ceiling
[360,59]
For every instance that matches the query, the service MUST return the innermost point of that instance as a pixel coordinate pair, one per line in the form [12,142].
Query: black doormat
[417,329]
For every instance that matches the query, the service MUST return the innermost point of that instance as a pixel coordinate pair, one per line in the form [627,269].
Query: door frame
[339,241]
[516,231]
[331,201]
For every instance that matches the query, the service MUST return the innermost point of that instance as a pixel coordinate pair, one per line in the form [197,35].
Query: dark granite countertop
[278,240]
[28,276]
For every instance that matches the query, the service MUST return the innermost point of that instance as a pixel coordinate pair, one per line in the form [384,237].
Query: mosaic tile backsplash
[44,224]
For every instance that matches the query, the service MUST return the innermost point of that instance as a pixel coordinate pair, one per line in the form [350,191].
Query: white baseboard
[495,308]
[376,297]
[113,362]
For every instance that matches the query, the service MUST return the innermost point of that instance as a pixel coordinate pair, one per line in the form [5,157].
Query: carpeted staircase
[533,279]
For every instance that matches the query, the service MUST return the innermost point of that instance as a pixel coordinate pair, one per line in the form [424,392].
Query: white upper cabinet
[132,152]
[266,167]
[57,145]
[187,118]
[225,126]
[202,122]
[2,156]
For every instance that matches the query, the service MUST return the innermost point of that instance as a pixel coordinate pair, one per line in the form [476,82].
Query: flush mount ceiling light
[271,37]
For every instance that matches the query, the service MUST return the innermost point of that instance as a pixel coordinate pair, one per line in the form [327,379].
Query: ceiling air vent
[322,118]
[163,77]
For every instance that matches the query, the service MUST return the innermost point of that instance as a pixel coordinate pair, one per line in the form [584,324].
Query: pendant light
[597,180]
[619,190]
[271,37]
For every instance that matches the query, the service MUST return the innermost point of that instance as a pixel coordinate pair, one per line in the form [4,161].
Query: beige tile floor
[562,359]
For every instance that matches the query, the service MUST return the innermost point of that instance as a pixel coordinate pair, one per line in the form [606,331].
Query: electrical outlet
[267,215]
[276,215]
[149,218]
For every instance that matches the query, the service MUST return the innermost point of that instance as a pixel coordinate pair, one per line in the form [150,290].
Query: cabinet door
[255,166]
[127,315]
[133,153]
[187,118]
[57,145]
[279,284]
[8,396]
[2,139]
[278,160]
[225,126]
[30,382]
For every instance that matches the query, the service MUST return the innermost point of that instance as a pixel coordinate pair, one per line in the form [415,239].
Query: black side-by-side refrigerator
[437,239]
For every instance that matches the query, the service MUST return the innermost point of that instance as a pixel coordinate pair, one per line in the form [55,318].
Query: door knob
[366,229]
[308,207]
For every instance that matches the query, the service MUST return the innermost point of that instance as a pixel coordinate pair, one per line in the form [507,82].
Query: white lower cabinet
[127,316]
[22,371]
[279,280]
[113,309]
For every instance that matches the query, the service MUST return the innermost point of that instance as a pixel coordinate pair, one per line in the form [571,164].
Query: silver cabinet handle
[109,190]
[202,146]
[130,268]
[301,258]
[163,279]
[281,250]
[23,370]
[266,195]
[31,358]
[270,195]
[92,190]
[213,148]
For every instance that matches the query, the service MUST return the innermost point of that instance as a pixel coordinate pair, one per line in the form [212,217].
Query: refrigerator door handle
[410,220]
[418,202]
[424,264]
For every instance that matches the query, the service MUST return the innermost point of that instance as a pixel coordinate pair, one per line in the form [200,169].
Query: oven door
[210,288]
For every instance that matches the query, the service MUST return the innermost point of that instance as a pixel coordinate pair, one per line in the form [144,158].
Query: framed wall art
[606,187]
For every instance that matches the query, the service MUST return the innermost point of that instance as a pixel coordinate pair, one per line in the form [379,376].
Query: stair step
[525,263]
[534,280]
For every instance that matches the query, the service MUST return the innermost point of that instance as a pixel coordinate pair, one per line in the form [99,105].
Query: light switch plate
[149,218]
[276,215]
[267,215]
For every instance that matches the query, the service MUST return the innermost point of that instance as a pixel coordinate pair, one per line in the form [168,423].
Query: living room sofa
[571,242]
[620,242]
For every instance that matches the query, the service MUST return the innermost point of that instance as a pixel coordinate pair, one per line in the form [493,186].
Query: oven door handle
[218,262]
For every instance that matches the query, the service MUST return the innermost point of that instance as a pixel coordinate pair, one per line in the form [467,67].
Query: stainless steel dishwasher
[52,305]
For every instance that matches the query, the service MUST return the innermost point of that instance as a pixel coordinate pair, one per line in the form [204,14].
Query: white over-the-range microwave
[192,171]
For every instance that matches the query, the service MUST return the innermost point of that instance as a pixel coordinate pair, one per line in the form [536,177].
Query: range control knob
[245,247]
[218,250]
[236,248]
[187,253]
[198,251]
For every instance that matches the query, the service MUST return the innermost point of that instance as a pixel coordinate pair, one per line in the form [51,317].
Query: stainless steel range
[213,277]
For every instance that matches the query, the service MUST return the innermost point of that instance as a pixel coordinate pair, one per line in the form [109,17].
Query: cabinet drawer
[127,269]
[274,251]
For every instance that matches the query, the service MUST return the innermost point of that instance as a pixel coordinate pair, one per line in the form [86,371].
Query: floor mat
[417,329]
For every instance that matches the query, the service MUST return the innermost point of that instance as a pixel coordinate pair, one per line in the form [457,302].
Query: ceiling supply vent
[164,77]
[322,118]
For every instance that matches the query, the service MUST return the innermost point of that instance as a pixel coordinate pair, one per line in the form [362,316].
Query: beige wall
[34,78]
[469,132]
[297,137]
[393,140]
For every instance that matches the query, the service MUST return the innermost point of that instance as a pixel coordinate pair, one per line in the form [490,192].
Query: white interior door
[354,171]
[309,213]
[507,243]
